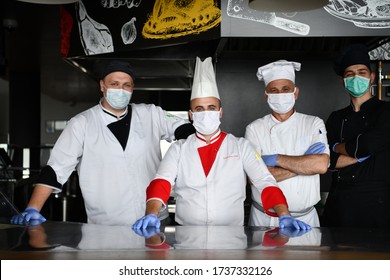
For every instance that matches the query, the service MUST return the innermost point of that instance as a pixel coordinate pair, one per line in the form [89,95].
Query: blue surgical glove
[292,232]
[334,146]
[150,220]
[147,232]
[287,221]
[315,149]
[362,159]
[30,215]
[270,160]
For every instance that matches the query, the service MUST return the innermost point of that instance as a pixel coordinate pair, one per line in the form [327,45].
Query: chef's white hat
[281,69]
[204,84]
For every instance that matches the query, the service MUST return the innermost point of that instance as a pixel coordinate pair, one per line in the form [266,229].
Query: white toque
[281,69]
[204,84]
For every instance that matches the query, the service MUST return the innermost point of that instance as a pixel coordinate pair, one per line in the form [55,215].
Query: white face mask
[118,98]
[281,103]
[206,122]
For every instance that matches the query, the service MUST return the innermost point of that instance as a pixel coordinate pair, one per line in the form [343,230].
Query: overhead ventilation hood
[160,39]
[161,68]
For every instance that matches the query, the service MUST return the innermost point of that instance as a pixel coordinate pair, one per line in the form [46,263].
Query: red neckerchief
[209,152]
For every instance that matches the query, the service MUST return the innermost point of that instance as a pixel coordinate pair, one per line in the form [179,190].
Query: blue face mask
[118,98]
[357,85]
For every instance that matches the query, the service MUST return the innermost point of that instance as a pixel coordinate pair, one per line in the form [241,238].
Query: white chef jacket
[112,180]
[218,198]
[292,137]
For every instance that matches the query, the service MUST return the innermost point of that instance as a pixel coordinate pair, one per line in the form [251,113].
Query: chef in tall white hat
[209,170]
[206,110]
[294,146]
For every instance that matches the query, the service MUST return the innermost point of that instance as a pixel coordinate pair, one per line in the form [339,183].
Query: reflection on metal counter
[273,238]
[210,237]
[64,240]
[104,237]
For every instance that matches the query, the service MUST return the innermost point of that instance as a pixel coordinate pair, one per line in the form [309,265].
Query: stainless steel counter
[65,240]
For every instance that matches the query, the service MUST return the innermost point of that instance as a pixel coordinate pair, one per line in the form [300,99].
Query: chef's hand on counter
[150,220]
[292,232]
[288,221]
[31,215]
[147,232]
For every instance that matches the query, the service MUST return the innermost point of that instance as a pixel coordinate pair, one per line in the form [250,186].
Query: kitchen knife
[240,9]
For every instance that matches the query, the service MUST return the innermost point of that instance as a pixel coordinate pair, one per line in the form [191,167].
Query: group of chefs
[115,148]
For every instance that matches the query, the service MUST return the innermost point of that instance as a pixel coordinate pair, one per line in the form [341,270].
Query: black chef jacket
[362,190]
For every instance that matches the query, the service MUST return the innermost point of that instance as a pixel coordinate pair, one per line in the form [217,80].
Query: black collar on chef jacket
[121,128]
[370,103]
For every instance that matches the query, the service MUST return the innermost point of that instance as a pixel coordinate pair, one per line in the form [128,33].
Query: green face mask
[357,85]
